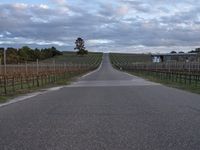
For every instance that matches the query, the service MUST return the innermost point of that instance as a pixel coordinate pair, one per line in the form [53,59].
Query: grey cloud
[53,26]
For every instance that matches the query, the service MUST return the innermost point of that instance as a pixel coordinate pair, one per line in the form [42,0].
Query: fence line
[181,72]
[192,67]
[21,77]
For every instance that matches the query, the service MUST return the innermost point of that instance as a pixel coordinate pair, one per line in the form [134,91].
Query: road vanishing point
[104,110]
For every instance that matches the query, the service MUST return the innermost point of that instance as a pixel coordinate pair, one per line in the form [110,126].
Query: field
[22,78]
[72,58]
[127,59]
[184,75]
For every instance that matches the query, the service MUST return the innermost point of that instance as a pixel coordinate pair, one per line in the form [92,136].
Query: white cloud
[43,6]
[38,20]
[7,33]
[99,41]
[124,25]
[59,2]
[20,6]
[58,43]
[123,10]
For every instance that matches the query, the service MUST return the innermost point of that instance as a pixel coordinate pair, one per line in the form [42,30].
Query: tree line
[25,54]
[196,50]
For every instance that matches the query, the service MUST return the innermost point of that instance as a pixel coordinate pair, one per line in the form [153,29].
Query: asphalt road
[106,110]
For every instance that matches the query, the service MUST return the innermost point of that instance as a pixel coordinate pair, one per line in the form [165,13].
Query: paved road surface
[105,110]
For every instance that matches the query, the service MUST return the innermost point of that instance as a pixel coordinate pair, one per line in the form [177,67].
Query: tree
[173,52]
[80,45]
[12,55]
[37,54]
[1,55]
[25,53]
[197,50]
[55,51]
[192,51]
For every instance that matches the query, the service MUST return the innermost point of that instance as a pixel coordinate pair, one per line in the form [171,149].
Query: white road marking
[107,83]
[92,71]
[129,74]
[27,96]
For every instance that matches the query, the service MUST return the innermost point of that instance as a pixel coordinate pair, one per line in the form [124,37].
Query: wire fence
[21,77]
[187,67]
[187,73]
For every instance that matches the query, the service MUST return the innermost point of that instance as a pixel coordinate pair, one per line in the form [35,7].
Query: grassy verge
[191,88]
[3,99]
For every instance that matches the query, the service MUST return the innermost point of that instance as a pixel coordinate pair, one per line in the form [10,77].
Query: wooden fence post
[38,84]
[13,83]
[21,81]
[5,84]
[37,67]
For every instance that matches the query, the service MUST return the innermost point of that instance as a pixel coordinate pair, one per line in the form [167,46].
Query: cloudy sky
[135,26]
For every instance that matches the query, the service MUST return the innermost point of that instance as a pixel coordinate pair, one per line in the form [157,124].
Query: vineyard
[129,58]
[20,78]
[186,74]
